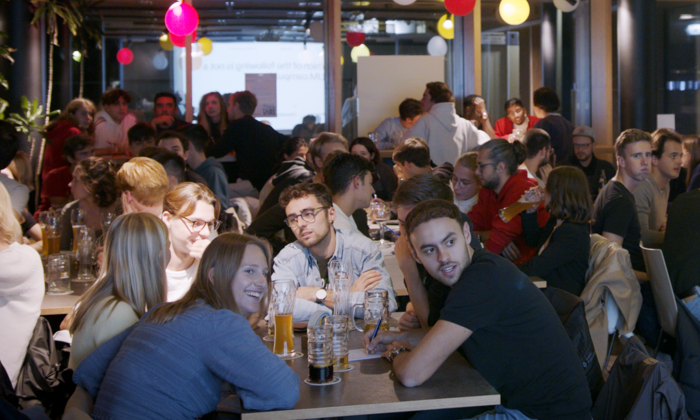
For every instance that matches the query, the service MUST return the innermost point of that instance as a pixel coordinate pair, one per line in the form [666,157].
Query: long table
[371,388]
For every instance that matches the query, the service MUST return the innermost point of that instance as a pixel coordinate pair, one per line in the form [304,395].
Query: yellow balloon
[359,51]
[205,43]
[446,28]
[165,42]
[514,12]
[342,60]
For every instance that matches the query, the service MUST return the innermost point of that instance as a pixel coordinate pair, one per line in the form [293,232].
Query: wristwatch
[320,295]
[395,352]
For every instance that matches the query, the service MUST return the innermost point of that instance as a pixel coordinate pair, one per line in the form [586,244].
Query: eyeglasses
[461,182]
[308,215]
[482,165]
[197,226]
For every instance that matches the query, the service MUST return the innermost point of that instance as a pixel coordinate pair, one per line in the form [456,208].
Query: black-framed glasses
[196,226]
[482,165]
[308,215]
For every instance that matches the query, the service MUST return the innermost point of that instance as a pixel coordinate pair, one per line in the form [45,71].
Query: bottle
[601,181]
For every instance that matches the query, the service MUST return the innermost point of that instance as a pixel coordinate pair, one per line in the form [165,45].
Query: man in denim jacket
[310,215]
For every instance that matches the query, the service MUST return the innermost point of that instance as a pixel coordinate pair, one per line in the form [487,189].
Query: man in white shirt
[349,178]
[113,121]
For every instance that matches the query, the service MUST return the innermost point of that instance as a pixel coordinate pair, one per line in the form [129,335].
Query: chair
[666,308]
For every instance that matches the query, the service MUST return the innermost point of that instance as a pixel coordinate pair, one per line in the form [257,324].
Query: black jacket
[290,172]
[686,364]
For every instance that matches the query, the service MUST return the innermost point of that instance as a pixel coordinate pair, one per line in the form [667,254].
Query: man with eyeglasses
[598,172]
[310,215]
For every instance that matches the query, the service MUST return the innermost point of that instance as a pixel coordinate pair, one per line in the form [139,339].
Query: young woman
[202,339]
[212,115]
[516,119]
[21,290]
[563,245]
[691,161]
[385,180]
[76,119]
[94,188]
[465,183]
[191,213]
[132,279]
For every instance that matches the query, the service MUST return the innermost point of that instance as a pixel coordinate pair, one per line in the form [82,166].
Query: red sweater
[53,155]
[485,217]
[55,185]
[504,126]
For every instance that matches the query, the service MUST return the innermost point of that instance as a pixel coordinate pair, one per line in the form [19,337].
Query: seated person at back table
[55,191]
[177,143]
[165,111]
[391,130]
[349,179]
[412,157]
[140,136]
[498,318]
[516,122]
[310,215]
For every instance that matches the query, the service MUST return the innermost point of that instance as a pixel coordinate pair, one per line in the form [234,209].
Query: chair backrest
[666,308]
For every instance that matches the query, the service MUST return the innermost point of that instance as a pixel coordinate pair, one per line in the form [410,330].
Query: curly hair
[295,192]
[99,178]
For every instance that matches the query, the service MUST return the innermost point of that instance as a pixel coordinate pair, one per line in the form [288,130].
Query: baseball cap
[585,131]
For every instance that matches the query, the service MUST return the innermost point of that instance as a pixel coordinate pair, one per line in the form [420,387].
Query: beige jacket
[610,269]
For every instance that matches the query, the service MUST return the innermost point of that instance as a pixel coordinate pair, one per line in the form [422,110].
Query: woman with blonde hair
[76,119]
[203,339]
[21,290]
[132,280]
[191,213]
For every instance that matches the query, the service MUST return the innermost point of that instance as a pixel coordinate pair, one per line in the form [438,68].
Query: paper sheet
[360,354]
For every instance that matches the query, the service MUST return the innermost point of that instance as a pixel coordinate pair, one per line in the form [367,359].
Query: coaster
[66,292]
[269,338]
[291,355]
[350,367]
[332,382]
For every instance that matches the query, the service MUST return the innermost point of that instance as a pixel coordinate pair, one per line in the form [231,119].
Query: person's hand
[368,280]
[197,248]
[100,255]
[394,345]
[307,293]
[402,250]
[480,106]
[544,172]
[380,342]
[511,252]
[409,320]
[662,228]
[163,121]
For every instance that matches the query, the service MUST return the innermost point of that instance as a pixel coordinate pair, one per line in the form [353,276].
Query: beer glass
[43,218]
[270,317]
[84,254]
[376,306]
[53,232]
[341,334]
[320,354]
[381,213]
[58,276]
[530,198]
[340,273]
[107,220]
[78,218]
[283,296]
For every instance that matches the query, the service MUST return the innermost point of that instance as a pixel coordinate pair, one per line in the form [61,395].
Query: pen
[376,330]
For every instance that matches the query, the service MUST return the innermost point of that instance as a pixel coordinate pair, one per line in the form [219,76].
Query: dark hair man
[598,172]
[310,215]
[9,145]
[178,143]
[559,128]
[55,191]
[502,184]
[349,179]
[308,128]
[114,120]
[206,167]
[538,151]
[392,129]
[174,164]
[165,111]
[412,157]
[500,320]
[257,145]
[651,195]
[447,134]
[475,111]
[516,122]
[141,135]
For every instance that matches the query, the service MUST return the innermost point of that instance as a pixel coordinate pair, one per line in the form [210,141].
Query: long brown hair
[71,109]
[692,145]
[206,122]
[216,272]
[136,254]
[570,198]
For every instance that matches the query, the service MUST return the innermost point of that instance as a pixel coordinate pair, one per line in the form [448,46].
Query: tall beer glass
[283,295]
[78,218]
[530,198]
[340,273]
[376,307]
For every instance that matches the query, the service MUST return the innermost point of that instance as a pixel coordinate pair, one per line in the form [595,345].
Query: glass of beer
[53,233]
[320,354]
[283,296]
[43,217]
[58,276]
[341,334]
[531,197]
[270,317]
[78,218]
[376,307]
[340,273]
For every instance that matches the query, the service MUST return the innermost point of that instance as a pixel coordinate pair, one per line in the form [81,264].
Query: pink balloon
[355,39]
[460,7]
[181,19]
[179,41]
[125,56]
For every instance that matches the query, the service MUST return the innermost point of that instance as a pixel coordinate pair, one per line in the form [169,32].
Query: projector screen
[300,86]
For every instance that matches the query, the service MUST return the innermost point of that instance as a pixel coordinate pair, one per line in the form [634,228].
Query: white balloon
[404,2]
[160,61]
[437,45]
[566,6]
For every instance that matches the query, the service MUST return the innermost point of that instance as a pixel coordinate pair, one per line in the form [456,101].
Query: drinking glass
[58,276]
[53,232]
[530,198]
[340,273]
[283,296]
[86,245]
[78,218]
[341,334]
[376,305]
[381,213]
[270,317]
[107,219]
[43,218]
[320,339]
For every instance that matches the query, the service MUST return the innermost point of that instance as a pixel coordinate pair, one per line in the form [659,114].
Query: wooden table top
[62,304]
[371,388]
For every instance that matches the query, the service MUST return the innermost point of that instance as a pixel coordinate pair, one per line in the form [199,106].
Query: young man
[651,196]
[9,145]
[559,128]
[206,167]
[310,215]
[349,179]
[539,149]
[113,121]
[465,183]
[173,164]
[165,110]
[516,122]
[447,134]
[502,184]
[412,157]
[143,183]
[392,129]
[177,143]
[499,319]
[55,191]
[598,172]
[141,135]
[475,111]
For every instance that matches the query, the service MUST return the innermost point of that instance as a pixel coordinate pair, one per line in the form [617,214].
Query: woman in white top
[191,213]
[465,182]
[21,290]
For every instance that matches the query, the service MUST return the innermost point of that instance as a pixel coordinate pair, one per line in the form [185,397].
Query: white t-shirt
[342,221]
[465,206]
[179,282]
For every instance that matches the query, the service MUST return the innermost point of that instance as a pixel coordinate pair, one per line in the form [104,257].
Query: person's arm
[375,261]
[267,224]
[285,267]
[79,406]
[479,215]
[416,290]
[112,321]
[560,251]
[531,229]
[644,201]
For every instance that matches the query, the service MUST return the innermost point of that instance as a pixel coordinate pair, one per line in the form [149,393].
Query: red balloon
[355,39]
[125,56]
[181,18]
[460,7]
[179,41]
